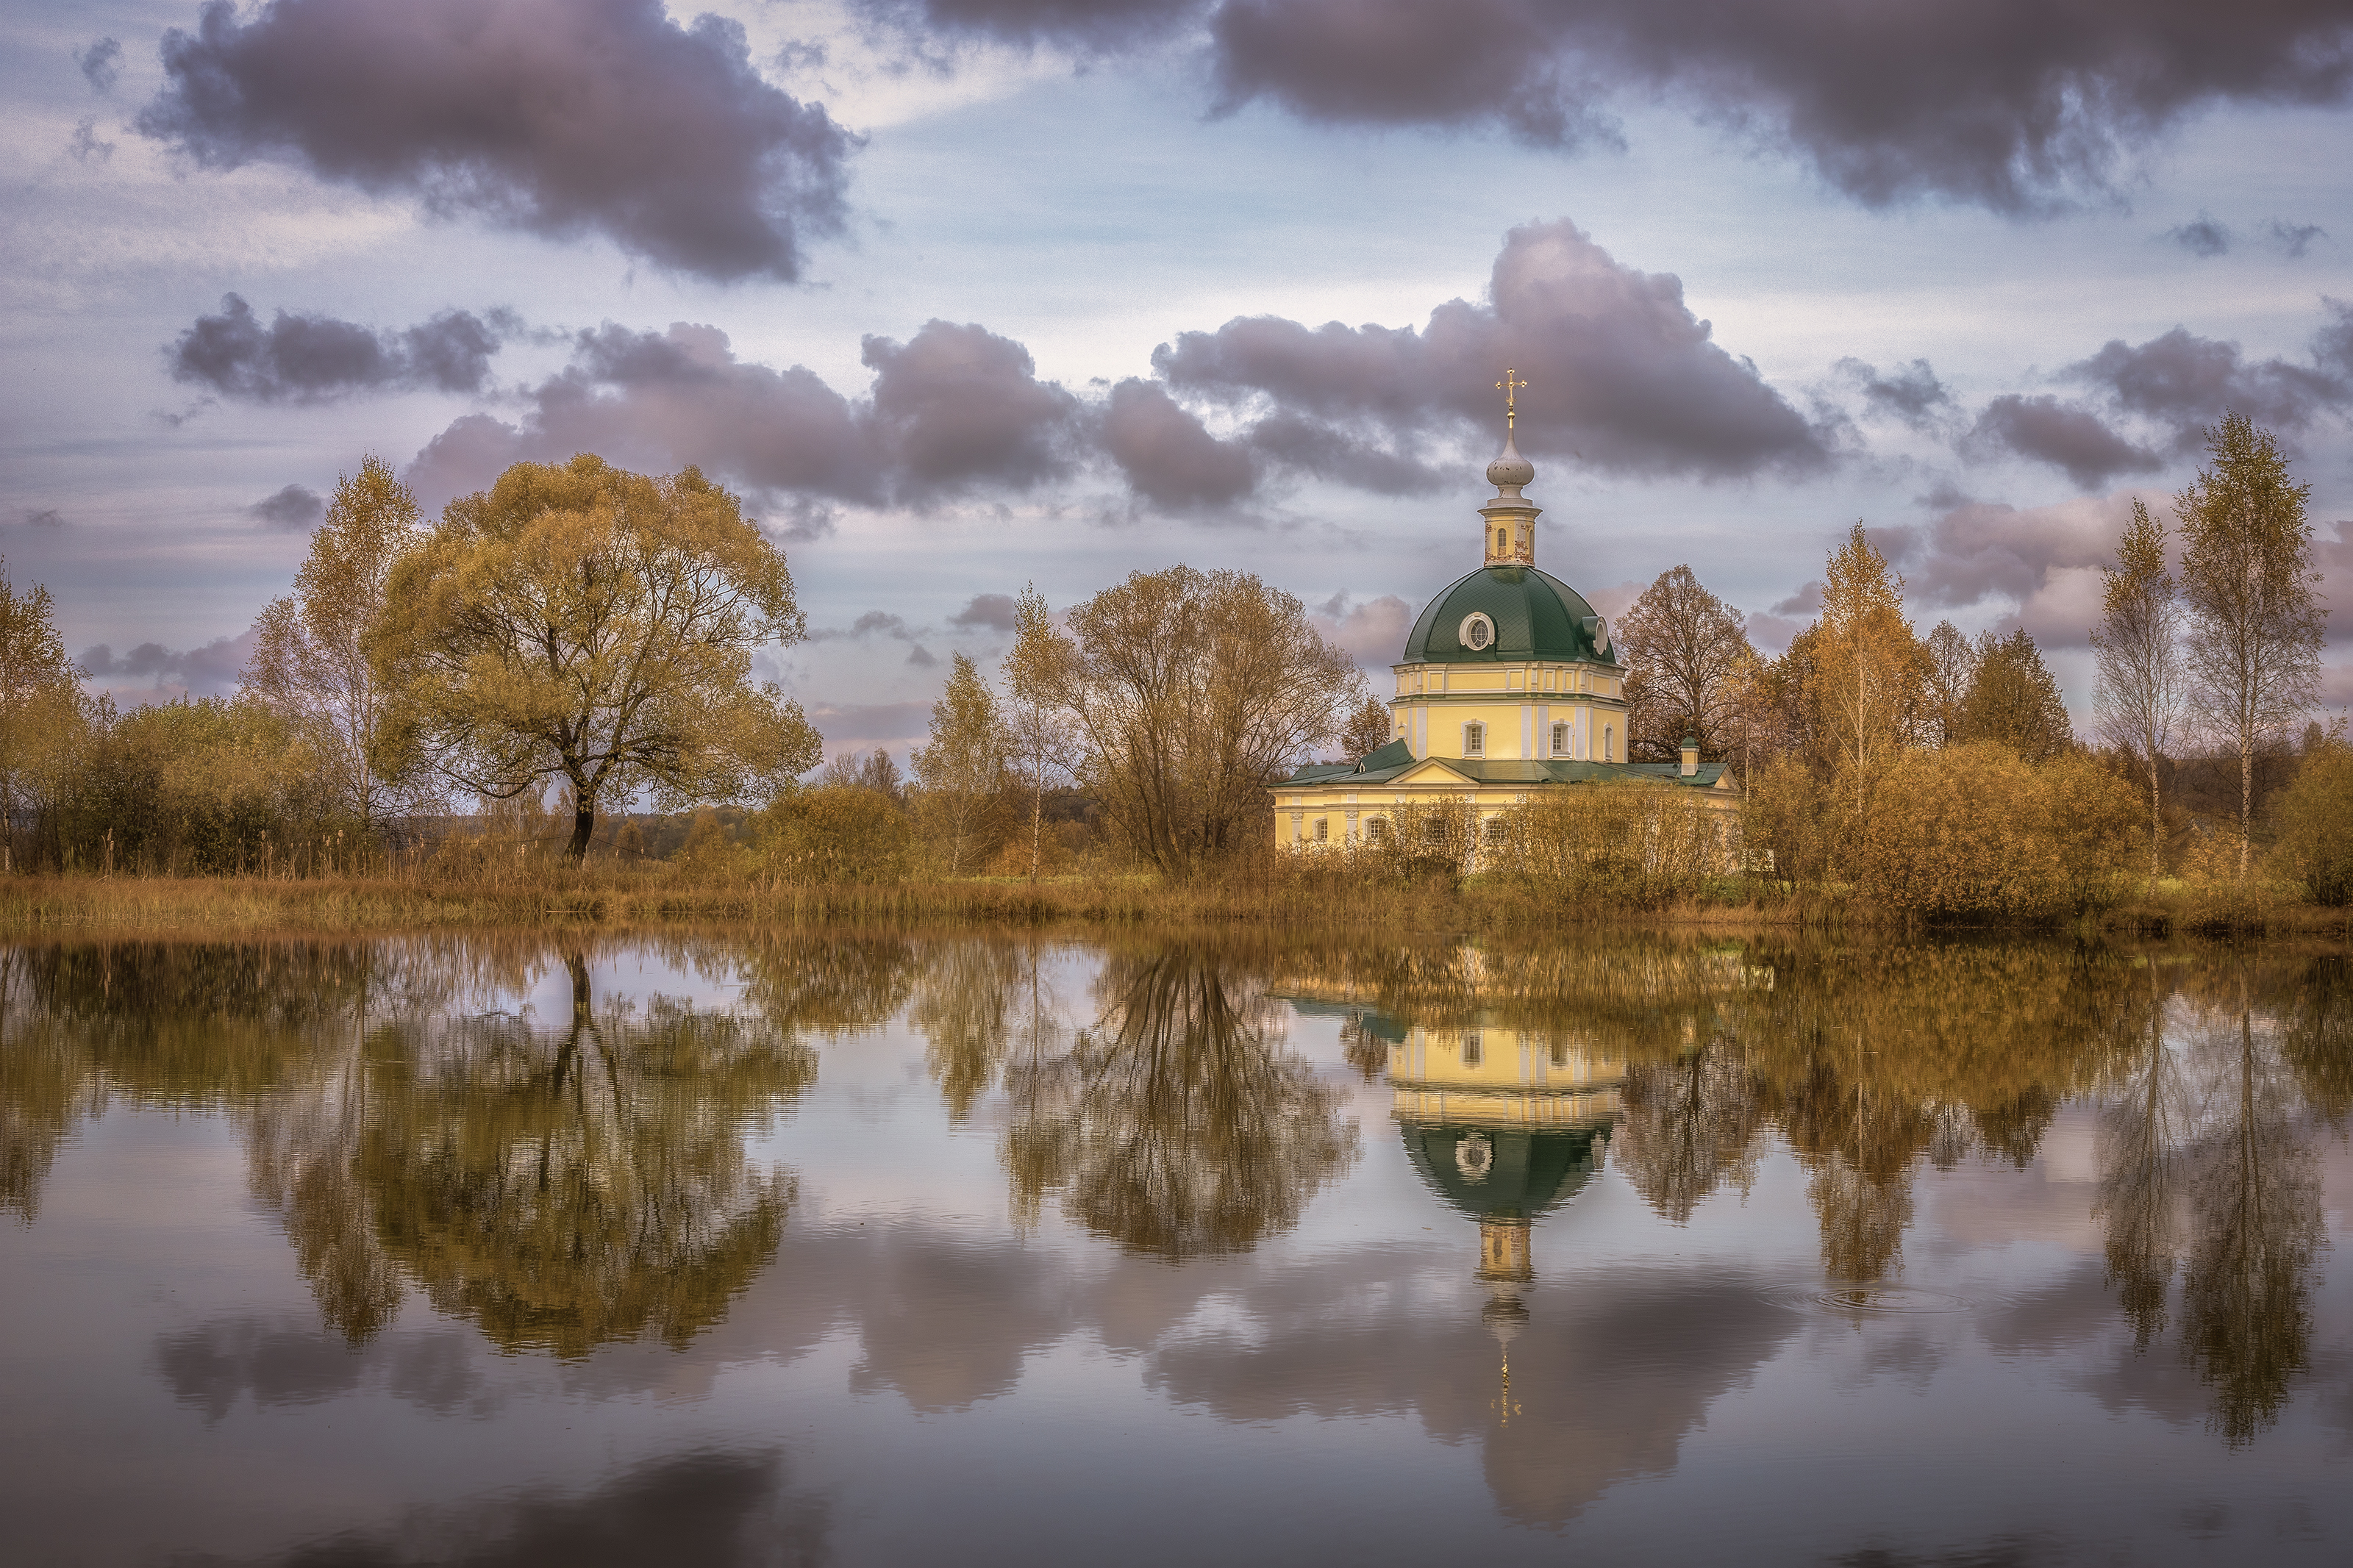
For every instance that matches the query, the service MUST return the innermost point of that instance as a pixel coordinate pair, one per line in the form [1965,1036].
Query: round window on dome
[1478,632]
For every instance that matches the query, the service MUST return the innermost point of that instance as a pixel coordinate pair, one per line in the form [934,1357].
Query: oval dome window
[1478,632]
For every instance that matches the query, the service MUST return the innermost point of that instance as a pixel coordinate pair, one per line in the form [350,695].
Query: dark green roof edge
[1517,771]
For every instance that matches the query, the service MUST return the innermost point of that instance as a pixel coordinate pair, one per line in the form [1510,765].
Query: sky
[961,295]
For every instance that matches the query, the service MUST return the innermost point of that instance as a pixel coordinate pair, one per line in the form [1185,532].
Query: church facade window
[1474,740]
[1560,739]
[1323,829]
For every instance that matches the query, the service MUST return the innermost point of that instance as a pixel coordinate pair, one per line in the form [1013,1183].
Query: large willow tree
[583,626]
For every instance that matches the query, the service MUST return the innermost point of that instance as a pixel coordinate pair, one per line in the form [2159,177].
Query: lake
[859,1247]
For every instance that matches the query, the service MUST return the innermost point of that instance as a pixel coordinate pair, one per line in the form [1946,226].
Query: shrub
[1974,831]
[1631,845]
[2314,819]
[834,834]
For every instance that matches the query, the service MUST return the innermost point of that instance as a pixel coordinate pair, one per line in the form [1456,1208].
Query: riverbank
[195,907]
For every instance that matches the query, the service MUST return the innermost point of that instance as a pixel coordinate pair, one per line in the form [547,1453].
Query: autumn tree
[2013,700]
[1867,666]
[1685,649]
[1192,692]
[42,709]
[1041,738]
[309,664]
[962,772]
[2248,591]
[1952,663]
[2137,650]
[1369,729]
[584,625]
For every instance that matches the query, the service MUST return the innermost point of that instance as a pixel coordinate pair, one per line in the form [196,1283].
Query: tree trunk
[2246,799]
[2155,823]
[1037,826]
[584,823]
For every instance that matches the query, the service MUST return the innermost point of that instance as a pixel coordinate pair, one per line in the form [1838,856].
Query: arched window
[1474,740]
[1502,538]
[1609,745]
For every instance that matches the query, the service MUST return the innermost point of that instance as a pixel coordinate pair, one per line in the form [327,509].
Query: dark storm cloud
[2015,106]
[1621,373]
[2046,430]
[101,63]
[1168,454]
[959,405]
[294,508]
[1910,393]
[2187,382]
[663,400]
[45,517]
[2201,236]
[314,358]
[559,117]
[986,612]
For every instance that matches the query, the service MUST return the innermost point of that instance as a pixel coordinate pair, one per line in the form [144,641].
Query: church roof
[1502,1173]
[1535,614]
[1394,759]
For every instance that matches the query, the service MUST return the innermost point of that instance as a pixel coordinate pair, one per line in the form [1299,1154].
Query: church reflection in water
[1505,1125]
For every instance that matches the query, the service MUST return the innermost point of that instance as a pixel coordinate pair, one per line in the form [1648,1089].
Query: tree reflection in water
[1691,1125]
[1179,1124]
[561,1188]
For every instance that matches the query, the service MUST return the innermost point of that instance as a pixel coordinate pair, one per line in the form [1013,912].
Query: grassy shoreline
[246,906]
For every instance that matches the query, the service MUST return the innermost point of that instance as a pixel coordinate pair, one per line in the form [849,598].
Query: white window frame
[1560,741]
[1474,737]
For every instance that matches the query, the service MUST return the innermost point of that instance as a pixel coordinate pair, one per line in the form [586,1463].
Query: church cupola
[1511,518]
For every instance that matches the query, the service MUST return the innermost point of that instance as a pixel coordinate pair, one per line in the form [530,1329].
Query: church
[1509,684]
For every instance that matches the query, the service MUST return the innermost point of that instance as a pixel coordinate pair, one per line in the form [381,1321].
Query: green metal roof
[1380,767]
[1517,1175]
[1535,617]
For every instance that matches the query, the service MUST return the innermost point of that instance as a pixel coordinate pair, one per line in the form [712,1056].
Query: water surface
[854,1248]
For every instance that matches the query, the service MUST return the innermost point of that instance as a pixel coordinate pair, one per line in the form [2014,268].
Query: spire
[1510,527]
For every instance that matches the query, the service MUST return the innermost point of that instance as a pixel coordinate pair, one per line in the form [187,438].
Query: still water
[859,1248]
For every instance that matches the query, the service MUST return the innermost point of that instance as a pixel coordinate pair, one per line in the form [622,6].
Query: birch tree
[2249,587]
[1868,665]
[963,769]
[309,664]
[1041,738]
[2137,650]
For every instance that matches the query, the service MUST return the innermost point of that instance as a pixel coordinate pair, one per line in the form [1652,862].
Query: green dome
[1494,1172]
[1534,615]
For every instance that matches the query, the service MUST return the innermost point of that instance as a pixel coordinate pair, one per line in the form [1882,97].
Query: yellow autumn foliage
[1976,831]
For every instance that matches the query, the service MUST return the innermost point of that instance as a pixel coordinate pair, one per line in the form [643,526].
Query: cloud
[2044,429]
[1910,393]
[860,727]
[1168,454]
[150,670]
[2185,382]
[959,405]
[662,400]
[86,145]
[986,612]
[561,118]
[101,64]
[1619,372]
[317,359]
[47,517]
[2019,108]
[2202,236]
[1807,601]
[295,508]
[2293,238]
[1373,631]
[921,657]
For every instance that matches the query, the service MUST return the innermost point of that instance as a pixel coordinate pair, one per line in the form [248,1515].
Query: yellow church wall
[1503,1077]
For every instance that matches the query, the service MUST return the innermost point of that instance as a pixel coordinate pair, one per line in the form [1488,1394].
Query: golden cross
[1510,387]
